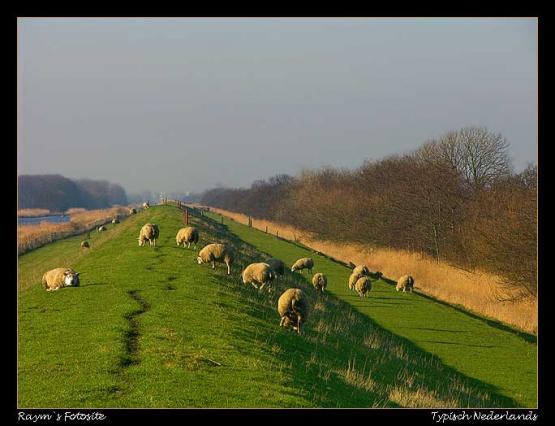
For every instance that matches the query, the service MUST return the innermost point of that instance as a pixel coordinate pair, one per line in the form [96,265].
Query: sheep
[149,232]
[85,244]
[187,235]
[132,211]
[320,282]
[277,265]
[146,205]
[304,263]
[217,253]
[60,277]
[293,309]
[258,274]
[361,270]
[115,220]
[102,228]
[363,285]
[405,283]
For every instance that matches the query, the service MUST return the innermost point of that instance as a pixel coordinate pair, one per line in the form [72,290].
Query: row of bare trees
[456,198]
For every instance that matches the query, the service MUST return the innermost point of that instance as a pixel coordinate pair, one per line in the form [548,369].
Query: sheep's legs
[228,269]
[281,321]
[213,265]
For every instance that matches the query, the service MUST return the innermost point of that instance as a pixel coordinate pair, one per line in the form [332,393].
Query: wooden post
[266,231]
[186,216]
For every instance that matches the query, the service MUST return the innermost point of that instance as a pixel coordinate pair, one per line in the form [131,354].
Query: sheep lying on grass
[363,285]
[304,263]
[258,274]
[102,228]
[115,220]
[277,265]
[149,232]
[216,252]
[187,236]
[60,277]
[320,281]
[405,283]
[293,309]
[132,211]
[85,244]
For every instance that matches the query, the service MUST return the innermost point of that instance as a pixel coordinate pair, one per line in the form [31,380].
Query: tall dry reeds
[30,237]
[32,212]
[474,290]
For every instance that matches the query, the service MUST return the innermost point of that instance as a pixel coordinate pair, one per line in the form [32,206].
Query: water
[37,220]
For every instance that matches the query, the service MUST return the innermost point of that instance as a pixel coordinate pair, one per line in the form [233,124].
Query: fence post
[186,216]
[266,231]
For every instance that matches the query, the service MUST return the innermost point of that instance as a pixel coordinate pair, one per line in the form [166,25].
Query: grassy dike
[503,359]
[148,327]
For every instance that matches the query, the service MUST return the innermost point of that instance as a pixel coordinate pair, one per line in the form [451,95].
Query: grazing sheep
[148,232]
[115,220]
[361,270]
[102,228]
[320,281]
[363,285]
[132,211]
[405,283]
[146,205]
[304,263]
[277,265]
[187,235]
[353,279]
[60,277]
[293,309]
[85,244]
[258,274]
[217,253]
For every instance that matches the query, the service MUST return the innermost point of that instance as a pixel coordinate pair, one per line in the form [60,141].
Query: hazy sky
[187,104]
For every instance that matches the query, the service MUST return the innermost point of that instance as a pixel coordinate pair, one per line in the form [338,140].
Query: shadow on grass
[344,359]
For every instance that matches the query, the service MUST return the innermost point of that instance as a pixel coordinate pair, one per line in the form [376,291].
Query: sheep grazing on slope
[217,253]
[60,277]
[363,285]
[304,263]
[85,244]
[320,281]
[405,283]
[277,266]
[115,220]
[361,270]
[187,236]
[146,205]
[102,228]
[258,274]
[132,211]
[293,309]
[149,232]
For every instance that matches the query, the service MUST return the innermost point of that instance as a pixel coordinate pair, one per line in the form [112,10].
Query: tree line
[456,198]
[58,193]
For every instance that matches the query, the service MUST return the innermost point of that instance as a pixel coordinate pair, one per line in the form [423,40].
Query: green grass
[149,327]
[467,343]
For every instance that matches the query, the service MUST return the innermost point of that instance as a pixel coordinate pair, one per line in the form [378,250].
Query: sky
[187,104]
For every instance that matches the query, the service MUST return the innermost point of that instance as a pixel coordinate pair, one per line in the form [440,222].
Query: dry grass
[32,236]
[75,210]
[32,212]
[475,290]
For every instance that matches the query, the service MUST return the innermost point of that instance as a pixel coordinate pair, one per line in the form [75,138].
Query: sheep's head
[141,242]
[199,260]
[71,278]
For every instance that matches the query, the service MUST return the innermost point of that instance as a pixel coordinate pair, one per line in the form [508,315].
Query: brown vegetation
[33,236]
[32,212]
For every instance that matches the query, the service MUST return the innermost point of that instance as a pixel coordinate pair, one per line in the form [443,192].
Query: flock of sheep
[292,306]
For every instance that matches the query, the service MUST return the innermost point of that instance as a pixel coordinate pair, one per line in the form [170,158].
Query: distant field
[148,327]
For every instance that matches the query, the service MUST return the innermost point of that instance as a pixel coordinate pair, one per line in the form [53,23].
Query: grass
[475,347]
[475,290]
[148,327]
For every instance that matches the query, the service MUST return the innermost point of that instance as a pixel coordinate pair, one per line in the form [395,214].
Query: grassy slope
[497,357]
[148,327]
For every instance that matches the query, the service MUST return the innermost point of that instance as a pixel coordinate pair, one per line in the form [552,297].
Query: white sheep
[187,236]
[303,263]
[320,281]
[258,274]
[293,309]
[150,232]
[405,283]
[363,285]
[60,277]
[217,253]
